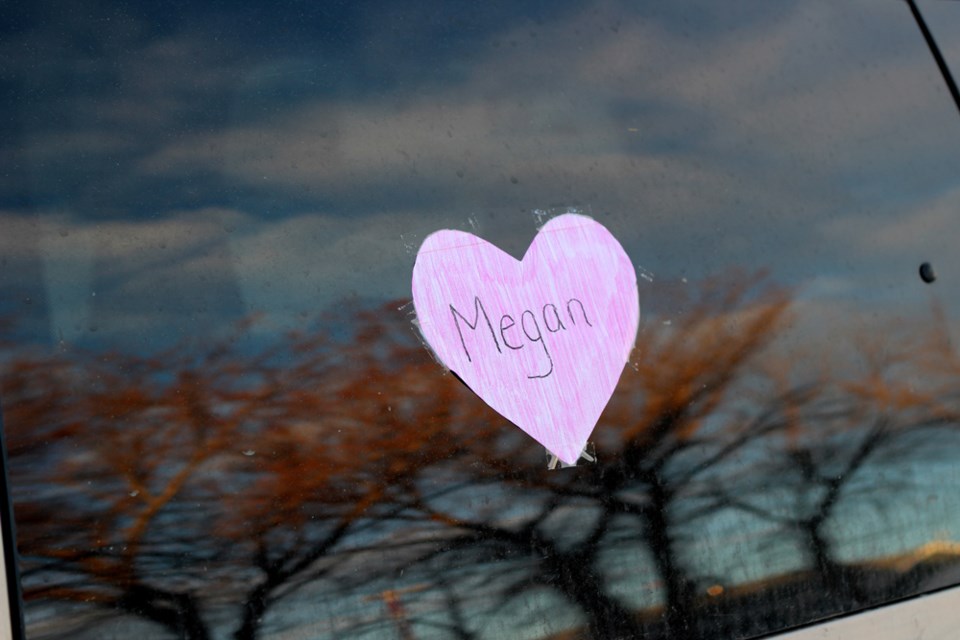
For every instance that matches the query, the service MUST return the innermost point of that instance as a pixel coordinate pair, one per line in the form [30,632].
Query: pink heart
[543,340]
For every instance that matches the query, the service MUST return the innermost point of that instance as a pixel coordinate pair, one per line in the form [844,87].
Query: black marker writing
[477,310]
[539,338]
[529,325]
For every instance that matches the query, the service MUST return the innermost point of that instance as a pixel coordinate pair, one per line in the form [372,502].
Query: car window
[222,419]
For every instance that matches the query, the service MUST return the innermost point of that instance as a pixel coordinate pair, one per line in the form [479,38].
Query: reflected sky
[169,168]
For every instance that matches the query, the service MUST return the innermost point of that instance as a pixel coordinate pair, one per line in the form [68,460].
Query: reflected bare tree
[677,419]
[854,441]
[112,456]
[169,486]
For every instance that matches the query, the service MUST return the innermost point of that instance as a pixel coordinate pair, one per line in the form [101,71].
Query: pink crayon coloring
[542,340]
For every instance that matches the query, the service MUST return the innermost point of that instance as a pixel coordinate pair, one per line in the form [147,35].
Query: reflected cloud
[737,134]
[143,283]
[915,230]
[170,174]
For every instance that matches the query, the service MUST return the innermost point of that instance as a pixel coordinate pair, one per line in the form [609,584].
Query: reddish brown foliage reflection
[158,485]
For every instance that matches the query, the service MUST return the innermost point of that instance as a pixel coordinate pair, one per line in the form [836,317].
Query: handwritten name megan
[509,329]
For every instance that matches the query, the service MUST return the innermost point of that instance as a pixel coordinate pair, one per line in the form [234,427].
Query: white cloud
[287,270]
[926,226]
[762,145]
[303,264]
[117,263]
[810,95]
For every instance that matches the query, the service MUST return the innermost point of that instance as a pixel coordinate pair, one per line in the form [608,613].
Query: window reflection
[222,422]
[351,470]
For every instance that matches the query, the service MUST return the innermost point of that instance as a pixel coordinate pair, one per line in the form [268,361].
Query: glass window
[223,422]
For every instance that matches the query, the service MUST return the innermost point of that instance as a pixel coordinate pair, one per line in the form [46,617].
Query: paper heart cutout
[543,340]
